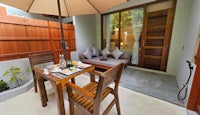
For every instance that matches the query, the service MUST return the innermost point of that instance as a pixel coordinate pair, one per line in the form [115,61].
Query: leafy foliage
[16,73]
[3,86]
[128,18]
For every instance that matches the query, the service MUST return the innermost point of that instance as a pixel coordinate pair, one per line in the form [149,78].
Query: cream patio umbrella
[63,8]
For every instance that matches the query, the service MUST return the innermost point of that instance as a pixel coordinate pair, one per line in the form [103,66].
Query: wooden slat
[154,57]
[91,87]
[23,39]
[10,30]
[167,35]
[55,33]
[71,34]
[99,91]
[66,34]
[3,13]
[17,55]
[35,22]
[160,13]
[39,58]
[155,28]
[39,45]
[154,42]
[54,24]
[153,47]
[72,44]
[70,26]
[9,47]
[20,20]
[155,37]
[156,33]
[153,52]
[37,32]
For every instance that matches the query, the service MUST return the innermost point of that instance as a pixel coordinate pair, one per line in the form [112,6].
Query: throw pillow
[105,52]
[95,52]
[88,53]
[117,53]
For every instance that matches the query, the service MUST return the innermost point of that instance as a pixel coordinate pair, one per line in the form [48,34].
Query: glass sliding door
[137,23]
[126,32]
[123,30]
[111,31]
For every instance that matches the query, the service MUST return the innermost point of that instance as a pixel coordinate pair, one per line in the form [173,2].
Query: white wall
[85,33]
[179,28]
[98,31]
[190,40]
[17,12]
[21,63]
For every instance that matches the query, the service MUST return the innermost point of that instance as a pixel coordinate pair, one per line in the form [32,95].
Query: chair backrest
[111,75]
[40,58]
[89,97]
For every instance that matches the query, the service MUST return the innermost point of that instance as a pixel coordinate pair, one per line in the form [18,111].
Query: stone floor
[131,103]
[156,84]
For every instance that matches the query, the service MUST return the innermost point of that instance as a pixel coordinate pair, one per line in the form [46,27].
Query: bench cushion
[110,62]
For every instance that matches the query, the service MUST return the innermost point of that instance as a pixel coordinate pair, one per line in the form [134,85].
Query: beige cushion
[88,53]
[117,53]
[110,62]
[105,52]
[95,52]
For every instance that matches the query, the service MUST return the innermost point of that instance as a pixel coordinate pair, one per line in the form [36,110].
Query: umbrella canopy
[67,7]
[63,8]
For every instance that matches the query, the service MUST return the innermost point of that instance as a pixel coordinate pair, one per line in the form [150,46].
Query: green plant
[3,86]
[16,73]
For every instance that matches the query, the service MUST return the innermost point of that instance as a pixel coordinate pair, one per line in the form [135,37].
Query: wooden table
[58,86]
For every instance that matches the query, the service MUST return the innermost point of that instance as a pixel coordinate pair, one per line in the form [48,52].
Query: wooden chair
[39,58]
[90,96]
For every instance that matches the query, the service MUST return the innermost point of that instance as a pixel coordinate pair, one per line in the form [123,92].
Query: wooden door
[194,98]
[156,39]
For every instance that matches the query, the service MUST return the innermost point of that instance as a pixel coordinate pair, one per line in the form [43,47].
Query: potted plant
[3,86]
[16,74]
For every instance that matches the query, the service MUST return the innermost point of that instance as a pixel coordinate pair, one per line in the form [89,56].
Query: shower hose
[185,86]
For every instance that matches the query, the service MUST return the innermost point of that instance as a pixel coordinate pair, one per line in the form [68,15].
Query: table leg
[92,77]
[59,97]
[73,80]
[43,94]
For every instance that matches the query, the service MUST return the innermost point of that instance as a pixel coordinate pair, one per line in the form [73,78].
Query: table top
[63,76]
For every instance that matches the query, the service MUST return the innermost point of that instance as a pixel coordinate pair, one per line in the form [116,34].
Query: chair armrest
[95,73]
[80,90]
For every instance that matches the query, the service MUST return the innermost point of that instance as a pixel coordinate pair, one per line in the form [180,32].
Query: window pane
[111,31]
[129,20]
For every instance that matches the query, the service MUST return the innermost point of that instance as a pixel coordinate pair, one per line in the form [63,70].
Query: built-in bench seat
[105,64]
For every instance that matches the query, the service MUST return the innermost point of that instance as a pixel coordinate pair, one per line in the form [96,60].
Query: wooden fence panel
[37,33]
[9,47]
[21,36]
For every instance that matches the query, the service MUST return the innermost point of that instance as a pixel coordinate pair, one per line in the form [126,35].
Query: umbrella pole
[63,43]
